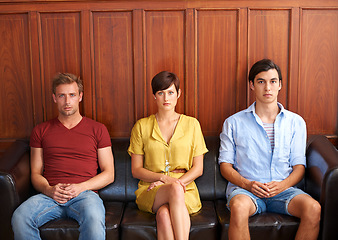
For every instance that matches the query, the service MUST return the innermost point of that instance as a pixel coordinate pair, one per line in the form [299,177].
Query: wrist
[284,185]
[164,178]
[47,190]
[83,187]
[246,184]
[182,183]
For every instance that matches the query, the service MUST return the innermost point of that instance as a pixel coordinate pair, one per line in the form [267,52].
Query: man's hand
[74,189]
[58,193]
[275,188]
[63,192]
[259,189]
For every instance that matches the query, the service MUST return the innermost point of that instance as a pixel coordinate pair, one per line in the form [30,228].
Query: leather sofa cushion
[141,225]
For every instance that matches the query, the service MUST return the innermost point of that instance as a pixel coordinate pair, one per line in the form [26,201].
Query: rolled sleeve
[227,146]
[298,143]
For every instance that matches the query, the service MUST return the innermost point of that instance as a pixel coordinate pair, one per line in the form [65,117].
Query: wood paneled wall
[118,46]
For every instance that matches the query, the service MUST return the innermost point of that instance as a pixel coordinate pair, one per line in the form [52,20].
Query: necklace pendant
[167,166]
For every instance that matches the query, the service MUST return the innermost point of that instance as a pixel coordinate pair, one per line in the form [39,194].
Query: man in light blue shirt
[262,155]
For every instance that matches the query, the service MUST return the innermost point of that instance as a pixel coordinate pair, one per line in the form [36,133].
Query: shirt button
[272,169]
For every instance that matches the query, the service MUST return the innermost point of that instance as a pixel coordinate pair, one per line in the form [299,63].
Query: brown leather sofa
[125,221]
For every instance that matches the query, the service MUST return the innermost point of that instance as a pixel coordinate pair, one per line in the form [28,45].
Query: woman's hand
[182,184]
[154,184]
[172,180]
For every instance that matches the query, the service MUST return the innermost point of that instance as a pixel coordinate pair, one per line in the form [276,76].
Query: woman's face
[167,99]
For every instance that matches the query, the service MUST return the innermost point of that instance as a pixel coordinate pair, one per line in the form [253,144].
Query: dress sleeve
[199,144]
[136,142]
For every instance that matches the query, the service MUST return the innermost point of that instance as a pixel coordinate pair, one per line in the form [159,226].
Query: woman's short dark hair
[263,66]
[163,80]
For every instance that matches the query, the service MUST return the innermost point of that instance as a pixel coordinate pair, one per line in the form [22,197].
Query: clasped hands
[266,190]
[63,192]
[167,181]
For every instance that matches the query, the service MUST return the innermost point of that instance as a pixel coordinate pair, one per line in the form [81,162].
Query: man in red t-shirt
[66,153]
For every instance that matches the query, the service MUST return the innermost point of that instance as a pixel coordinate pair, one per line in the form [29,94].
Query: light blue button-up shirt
[246,145]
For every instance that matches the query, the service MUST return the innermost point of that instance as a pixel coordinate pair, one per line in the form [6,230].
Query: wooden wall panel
[164,50]
[118,46]
[216,67]
[113,68]
[16,112]
[269,35]
[60,51]
[318,85]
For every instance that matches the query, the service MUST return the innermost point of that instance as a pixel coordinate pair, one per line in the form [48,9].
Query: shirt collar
[252,108]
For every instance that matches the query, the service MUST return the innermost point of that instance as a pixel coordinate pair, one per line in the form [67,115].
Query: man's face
[67,98]
[266,86]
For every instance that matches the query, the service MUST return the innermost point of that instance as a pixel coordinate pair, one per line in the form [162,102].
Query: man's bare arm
[105,177]
[257,188]
[40,183]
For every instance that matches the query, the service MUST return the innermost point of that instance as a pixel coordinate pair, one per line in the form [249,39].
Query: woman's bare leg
[173,195]
[164,227]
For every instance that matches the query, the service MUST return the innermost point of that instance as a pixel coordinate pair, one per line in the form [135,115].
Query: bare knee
[240,209]
[163,217]
[177,192]
[312,212]
[241,206]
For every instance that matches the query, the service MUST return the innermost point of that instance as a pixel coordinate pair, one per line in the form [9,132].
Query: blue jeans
[276,204]
[87,209]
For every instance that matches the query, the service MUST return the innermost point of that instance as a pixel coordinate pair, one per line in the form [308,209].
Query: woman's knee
[163,216]
[176,191]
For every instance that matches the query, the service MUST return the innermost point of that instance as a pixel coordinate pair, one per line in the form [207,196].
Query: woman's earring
[155,98]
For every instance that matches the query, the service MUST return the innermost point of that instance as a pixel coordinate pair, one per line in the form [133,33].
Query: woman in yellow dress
[167,151]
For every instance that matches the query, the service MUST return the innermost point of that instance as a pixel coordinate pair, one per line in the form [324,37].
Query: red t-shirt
[70,155]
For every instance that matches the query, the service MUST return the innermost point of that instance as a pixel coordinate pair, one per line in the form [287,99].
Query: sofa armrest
[322,181]
[15,185]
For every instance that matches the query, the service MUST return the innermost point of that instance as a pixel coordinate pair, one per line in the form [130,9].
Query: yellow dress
[186,143]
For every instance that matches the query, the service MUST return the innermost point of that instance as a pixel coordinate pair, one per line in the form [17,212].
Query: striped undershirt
[271,133]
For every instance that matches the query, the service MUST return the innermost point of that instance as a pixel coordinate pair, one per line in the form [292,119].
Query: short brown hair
[67,78]
[163,80]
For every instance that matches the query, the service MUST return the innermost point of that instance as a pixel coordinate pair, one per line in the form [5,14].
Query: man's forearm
[99,181]
[229,173]
[40,183]
[295,177]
